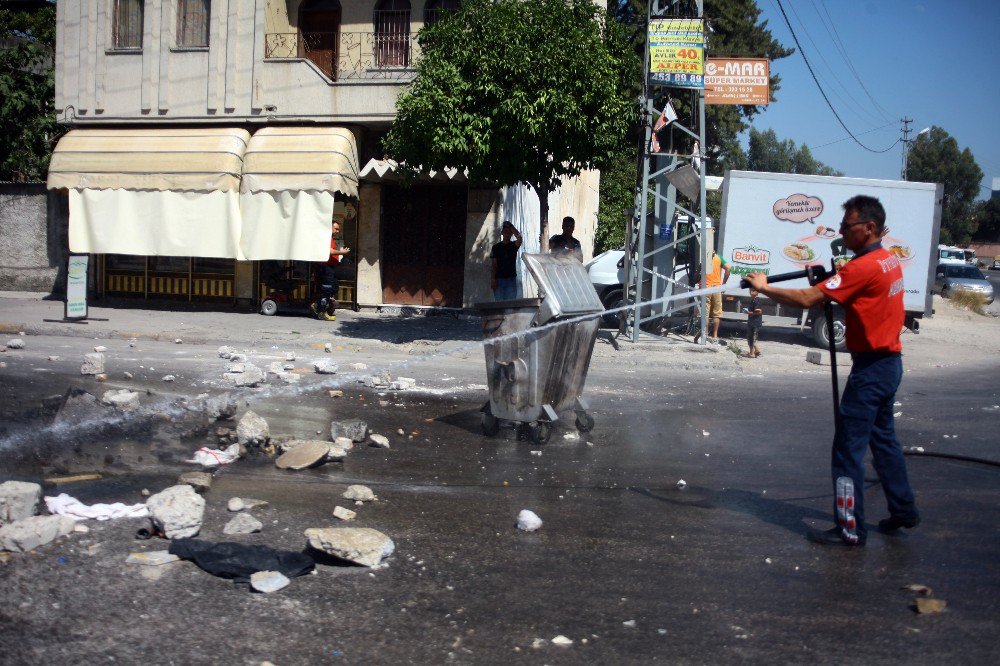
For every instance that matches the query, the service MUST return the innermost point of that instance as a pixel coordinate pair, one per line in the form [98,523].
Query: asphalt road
[717,571]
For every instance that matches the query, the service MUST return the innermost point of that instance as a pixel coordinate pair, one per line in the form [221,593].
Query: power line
[821,91]
[847,138]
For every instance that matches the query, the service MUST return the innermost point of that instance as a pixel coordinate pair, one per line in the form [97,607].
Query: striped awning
[175,160]
[377,171]
[319,159]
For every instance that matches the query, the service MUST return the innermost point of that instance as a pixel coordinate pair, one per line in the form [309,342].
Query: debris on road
[919,589]
[93,364]
[360,545]
[336,393]
[200,481]
[268,581]
[74,478]
[358,367]
[243,523]
[344,514]
[178,341]
[345,443]
[16,343]
[325,366]
[53,358]
[100,349]
[34,531]
[214,457]
[225,352]
[328,348]
[359,494]
[629,623]
[402,384]
[127,375]
[528,521]
[240,561]
[381,380]
[121,399]
[18,500]
[65,505]
[152,558]
[562,641]
[178,511]
[252,430]
[236,367]
[355,429]
[250,377]
[681,483]
[168,378]
[379,441]
[927,606]
[235,504]
[305,453]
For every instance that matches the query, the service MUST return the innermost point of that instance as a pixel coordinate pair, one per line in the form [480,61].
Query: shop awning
[316,159]
[377,171]
[174,160]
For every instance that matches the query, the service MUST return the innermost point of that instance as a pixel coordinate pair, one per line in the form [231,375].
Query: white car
[607,274]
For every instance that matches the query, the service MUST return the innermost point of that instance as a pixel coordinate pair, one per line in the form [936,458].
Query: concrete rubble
[16,343]
[402,384]
[379,441]
[34,531]
[93,364]
[100,349]
[335,453]
[354,429]
[200,481]
[528,521]
[225,352]
[359,494]
[325,366]
[241,503]
[357,367]
[360,545]
[290,377]
[380,380]
[243,523]
[178,511]
[235,504]
[152,558]
[121,399]
[250,377]
[305,454]
[268,581]
[344,514]
[236,367]
[252,429]
[345,443]
[18,500]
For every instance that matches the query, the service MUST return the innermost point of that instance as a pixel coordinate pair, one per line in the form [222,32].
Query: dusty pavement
[628,565]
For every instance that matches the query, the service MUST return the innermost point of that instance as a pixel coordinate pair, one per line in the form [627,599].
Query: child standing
[755,319]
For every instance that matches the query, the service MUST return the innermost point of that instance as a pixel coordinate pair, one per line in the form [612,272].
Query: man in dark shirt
[565,242]
[870,289]
[503,258]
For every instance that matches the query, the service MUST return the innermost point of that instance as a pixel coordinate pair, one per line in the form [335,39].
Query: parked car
[952,278]
[607,273]
[996,263]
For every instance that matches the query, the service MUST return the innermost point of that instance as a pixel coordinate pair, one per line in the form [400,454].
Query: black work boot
[834,537]
[893,523]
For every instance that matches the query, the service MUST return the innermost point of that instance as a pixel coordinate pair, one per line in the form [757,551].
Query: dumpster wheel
[541,431]
[490,423]
[584,422]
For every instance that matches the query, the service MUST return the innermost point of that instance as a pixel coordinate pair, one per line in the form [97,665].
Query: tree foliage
[517,92]
[767,153]
[987,217]
[935,158]
[28,128]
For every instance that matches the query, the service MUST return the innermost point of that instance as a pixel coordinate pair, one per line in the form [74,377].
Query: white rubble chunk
[235,504]
[276,368]
[237,367]
[335,453]
[357,367]
[16,343]
[200,481]
[252,429]
[344,514]
[178,511]
[328,348]
[562,641]
[251,376]
[344,442]
[681,483]
[243,523]
[289,356]
[359,494]
[325,366]
[93,364]
[152,558]
[361,545]
[100,349]
[355,429]
[379,441]
[178,341]
[18,500]
[34,531]
[122,399]
[127,375]
[290,377]
[528,520]
[225,352]
[53,358]
[402,384]
[268,581]
[168,378]
[381,380]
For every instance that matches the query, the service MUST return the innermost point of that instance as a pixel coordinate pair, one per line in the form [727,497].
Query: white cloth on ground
[66,505]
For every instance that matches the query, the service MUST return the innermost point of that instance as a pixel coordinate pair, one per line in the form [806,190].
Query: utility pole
[906,141]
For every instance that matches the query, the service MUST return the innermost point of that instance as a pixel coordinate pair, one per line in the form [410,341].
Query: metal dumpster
[535,367]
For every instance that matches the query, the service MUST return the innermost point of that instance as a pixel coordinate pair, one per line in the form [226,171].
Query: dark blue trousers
[866,421]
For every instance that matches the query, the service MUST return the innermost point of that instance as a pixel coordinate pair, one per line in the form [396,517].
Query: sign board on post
[677,52]
[737,81]
[76,287]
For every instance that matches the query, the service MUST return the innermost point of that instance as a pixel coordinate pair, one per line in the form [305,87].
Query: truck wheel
[612,299]
[269,307]
[839,329]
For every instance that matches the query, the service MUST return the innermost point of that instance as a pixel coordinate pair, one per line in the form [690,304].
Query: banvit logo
[751,256]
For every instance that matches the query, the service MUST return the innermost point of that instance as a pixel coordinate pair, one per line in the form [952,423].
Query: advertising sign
[677,53]
[76,287]
[737,81]
[775,223]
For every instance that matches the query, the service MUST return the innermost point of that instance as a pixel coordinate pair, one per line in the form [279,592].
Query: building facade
[213,141]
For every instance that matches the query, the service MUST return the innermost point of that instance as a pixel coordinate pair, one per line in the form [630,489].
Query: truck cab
[950,255]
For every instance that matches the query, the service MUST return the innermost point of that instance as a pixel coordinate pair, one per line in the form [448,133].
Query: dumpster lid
[565,284]
[490,306]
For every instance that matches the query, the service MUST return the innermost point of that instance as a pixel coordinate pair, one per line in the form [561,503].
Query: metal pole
[703,212]
[640,263]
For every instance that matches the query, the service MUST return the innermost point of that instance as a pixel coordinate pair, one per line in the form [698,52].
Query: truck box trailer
[776,223]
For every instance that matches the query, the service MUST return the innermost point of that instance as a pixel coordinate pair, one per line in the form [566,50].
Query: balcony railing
[347,56]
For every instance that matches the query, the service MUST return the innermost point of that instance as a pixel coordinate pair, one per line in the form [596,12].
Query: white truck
[777,223]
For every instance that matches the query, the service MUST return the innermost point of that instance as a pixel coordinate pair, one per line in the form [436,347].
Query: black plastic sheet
[239,561]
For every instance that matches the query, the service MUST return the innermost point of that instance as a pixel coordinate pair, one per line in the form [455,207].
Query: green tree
[517,92]
[768,153]
[935,158]
[987,216]
[28,127]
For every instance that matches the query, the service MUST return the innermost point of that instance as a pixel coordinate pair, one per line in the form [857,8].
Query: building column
[481,232]
[369,245]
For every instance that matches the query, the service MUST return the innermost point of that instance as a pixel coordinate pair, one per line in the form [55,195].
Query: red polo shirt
[870,287]
[334,259]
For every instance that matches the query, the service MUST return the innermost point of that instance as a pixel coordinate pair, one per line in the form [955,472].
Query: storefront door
[423,244]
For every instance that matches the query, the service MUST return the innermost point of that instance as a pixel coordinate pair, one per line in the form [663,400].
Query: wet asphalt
[716,571]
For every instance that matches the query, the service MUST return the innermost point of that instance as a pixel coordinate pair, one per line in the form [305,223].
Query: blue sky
[931,61]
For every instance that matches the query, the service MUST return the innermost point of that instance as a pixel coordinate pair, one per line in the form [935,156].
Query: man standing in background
[565,242]
[325,307]
[503,258]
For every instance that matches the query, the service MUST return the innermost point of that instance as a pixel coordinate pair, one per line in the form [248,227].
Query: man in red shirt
[325,307]
[870,289]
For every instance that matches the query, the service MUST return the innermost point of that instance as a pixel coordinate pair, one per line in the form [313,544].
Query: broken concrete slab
[336,453]
[225,352]
[402,384]
[200,481]
[268,581]
[344,514]
[354,429]
[236,367]
[379,441]
[359,493]
[360,545]
[344,442]
[357,367]
[251,376]
[178,511]
[528,521]
[18,500]
[235,504]
[252,429]
[121,399]
[93,364]
[325,366]
[16,343]
[79,406]
[290,377]
[243,523]
[380,380]
[34,531]
[152,558]
[307,453]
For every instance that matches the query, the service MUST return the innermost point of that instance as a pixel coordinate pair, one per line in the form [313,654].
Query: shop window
[214,266]
[319,33]
[127,28]
[435,10]
[192,23]
[125,262]
[170,264]
[392,33]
